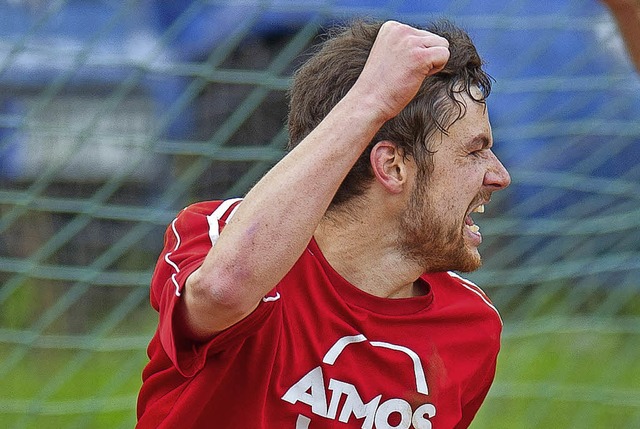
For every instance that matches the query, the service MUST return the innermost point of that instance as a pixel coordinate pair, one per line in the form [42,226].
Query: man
[322,299]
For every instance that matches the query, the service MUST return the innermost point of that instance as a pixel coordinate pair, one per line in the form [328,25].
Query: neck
[368,257]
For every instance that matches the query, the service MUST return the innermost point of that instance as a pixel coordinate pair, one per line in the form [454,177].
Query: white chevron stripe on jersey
[213,218]
[167,257]
[477,290]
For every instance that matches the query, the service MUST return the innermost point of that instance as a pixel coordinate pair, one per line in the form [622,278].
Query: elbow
[225,292]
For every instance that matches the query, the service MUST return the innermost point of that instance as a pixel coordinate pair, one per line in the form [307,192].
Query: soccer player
[326,298]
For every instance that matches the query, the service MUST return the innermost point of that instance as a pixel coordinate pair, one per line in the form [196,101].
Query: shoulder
[462,290]
[209,215]
[473,288]
[217,209]
[188,239]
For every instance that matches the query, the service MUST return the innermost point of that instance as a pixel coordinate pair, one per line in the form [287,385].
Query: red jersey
[317,352]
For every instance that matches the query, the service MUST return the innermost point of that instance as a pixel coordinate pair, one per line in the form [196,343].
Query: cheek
[452,190]
[451,205]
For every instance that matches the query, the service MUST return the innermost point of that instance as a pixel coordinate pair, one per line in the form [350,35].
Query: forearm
[277,218]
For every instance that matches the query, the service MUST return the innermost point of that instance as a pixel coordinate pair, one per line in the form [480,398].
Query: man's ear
[389,166]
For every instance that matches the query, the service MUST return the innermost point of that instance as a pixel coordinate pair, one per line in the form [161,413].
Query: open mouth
[469,223]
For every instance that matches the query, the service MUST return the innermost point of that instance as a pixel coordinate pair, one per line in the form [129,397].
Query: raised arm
[277,218]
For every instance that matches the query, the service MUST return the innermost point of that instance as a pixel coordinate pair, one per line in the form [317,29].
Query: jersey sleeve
[188,239]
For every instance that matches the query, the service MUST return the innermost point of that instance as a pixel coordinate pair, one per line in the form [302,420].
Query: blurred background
[116,114]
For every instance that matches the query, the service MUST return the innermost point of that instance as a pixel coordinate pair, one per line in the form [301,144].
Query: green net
[115,115]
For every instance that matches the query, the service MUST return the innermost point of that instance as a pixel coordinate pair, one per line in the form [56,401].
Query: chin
[469,267]
[466,263]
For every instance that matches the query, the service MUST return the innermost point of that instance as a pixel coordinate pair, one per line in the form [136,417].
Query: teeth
[474,228]
[479,209]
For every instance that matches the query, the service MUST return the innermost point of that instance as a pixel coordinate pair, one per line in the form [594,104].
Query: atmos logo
[376,413]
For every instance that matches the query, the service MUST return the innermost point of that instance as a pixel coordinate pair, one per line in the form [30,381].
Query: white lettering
[353,404]
[389,407]
[309,390]
[421,417]
[302,422]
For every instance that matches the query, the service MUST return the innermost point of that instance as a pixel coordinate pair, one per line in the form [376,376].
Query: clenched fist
[400,59]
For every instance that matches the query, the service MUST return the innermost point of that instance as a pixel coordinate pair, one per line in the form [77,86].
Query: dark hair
[329,74]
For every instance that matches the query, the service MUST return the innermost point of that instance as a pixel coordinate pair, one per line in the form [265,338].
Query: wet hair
[333,69]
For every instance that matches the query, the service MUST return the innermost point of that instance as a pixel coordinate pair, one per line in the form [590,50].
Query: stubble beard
[428,241]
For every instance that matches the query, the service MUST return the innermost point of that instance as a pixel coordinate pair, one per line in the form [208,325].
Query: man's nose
[497,175]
